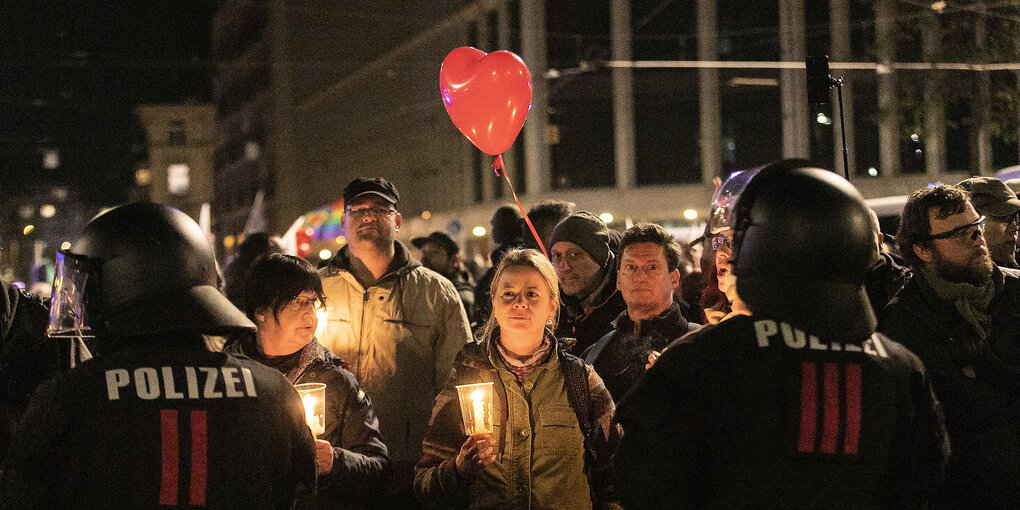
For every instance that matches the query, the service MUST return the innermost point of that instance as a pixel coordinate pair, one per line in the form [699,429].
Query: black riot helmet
[802,248]
[144,269]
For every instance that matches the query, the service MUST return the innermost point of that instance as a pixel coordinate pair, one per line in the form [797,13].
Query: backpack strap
[579,398]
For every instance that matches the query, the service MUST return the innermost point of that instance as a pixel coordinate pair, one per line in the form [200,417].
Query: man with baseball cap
[440,253]
[586,267]
[398,324]
[1001,209]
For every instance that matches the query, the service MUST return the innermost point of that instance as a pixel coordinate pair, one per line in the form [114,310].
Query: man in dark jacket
[156,419]
[961,315]
[586,267]
[507,226]
[801,404]
[648,276]
[887,276]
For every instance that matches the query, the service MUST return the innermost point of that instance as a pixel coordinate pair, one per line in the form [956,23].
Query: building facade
[637,105]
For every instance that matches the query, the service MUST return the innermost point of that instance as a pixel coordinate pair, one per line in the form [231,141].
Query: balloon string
[497,165]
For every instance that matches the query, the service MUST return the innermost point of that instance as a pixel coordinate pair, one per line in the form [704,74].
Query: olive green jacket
[540,456]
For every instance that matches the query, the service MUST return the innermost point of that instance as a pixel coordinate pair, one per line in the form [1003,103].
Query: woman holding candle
[282,295]
[535,456]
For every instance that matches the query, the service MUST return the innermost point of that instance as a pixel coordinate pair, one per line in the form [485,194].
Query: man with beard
[1001,209]
[586,267]
[961,315]
[398,324]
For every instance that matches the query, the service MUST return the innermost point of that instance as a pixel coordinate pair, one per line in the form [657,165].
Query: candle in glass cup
[313,397]
[476,407]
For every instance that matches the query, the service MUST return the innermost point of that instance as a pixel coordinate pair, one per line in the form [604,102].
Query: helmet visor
[67,310]
[725,199]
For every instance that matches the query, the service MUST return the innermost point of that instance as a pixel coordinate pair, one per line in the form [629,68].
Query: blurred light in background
[691,214]
[606,217]
[47,211]
[478,231]
[28,229]
[325,254]
[426,215]
[66,245]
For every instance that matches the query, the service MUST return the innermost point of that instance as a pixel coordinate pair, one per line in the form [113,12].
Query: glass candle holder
[476,407]
[313,396]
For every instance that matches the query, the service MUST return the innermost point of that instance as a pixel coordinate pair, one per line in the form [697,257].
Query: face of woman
[724,271]
[292,328]
[522,303]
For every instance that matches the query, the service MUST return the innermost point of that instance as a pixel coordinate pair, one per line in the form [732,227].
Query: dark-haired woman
[282,295]
[536,456]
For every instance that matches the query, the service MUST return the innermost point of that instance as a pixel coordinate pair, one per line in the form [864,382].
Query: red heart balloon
[487,96]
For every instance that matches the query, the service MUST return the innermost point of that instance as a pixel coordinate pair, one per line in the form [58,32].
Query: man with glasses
[397,324]
[1000,207]
[961,315]
[648,276]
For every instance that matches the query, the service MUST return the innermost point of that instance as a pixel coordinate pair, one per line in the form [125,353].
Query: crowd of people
[793,356]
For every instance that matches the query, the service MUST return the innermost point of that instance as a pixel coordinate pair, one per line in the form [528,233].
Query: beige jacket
[399,337]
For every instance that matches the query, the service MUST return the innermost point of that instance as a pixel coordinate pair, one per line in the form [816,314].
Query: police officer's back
[800,405]
[156,418]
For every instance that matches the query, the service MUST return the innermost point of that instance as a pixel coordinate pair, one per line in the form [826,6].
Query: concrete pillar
[536,150]
[623,96]
[935,157]
[796,139]
[489,184]
[708,92]
[888,122]
[983,99]
[289,180]
[510,158]
[839,51]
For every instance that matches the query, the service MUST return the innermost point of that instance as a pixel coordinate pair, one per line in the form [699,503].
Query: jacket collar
[401,262]
[598,297]
[670,318]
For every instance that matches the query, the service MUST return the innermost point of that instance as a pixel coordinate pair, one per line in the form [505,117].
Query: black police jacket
[755,413]
[158,425]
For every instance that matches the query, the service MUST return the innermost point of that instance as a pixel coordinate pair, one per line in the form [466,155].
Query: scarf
[521,367]
[970,300]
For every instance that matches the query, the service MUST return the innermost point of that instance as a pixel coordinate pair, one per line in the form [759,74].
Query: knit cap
[587,231]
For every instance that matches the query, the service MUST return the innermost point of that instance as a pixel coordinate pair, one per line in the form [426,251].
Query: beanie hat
[587,231]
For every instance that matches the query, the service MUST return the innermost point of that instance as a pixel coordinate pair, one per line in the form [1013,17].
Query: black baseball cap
[374,185]
[440,238]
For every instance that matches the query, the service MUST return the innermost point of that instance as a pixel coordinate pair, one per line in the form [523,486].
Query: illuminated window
[178,178]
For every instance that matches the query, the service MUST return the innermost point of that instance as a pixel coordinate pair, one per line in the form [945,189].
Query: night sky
[71,74]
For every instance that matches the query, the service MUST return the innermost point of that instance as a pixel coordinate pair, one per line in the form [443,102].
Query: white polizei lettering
[816,345]
[115,380]
[169,389]
[146,383]
[836,346]
[192,379]
[230,382]
[249,381]
[852,348]
[210,383]
[763,330]
[794,338]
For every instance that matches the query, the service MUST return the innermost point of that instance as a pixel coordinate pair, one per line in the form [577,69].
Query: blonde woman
[538,455]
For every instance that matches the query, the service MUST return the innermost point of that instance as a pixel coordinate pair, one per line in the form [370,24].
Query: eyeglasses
[364,212]
[302,302]
[963,231]
[633,269]
[722,240]
[1009,218]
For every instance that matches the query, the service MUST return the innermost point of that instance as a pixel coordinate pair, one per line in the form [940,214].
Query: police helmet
[143,269]
[802,248]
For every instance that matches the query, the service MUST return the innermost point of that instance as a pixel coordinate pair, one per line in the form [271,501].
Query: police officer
[156,418]
[801,404]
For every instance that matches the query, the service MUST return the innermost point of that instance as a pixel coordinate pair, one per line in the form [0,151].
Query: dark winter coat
[977,382]
[590,319]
